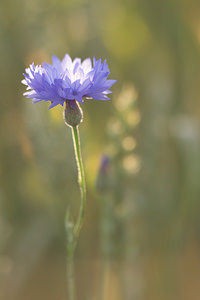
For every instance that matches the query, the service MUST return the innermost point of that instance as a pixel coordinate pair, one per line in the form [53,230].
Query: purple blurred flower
[68,80]
[105,163]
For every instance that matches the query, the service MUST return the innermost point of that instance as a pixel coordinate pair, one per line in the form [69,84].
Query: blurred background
[141,235]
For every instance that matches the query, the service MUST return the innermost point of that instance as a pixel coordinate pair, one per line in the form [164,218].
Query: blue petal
[67,62]
[57,64]
[67,80]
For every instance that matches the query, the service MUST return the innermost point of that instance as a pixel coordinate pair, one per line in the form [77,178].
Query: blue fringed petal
[67,80]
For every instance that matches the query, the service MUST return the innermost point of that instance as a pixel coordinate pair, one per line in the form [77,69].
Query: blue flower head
[68,80]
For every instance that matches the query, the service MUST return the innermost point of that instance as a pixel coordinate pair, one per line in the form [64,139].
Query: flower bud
[104,180]
[73,114]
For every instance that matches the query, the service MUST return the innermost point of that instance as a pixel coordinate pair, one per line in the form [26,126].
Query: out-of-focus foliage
[141,234]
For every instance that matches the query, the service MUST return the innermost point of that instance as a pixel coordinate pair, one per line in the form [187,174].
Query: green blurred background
[141,236]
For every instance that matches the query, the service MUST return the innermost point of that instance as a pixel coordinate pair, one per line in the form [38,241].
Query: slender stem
[74,230]
[70,274]
[81,180]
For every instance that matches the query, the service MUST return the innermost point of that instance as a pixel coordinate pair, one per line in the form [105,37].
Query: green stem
[70,274]
[74,230]
[81,180]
